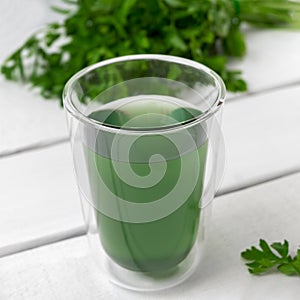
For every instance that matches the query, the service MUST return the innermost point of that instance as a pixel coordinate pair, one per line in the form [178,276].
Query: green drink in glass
[144,131]
[153,245]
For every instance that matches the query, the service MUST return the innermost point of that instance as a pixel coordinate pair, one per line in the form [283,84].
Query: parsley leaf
[272,257]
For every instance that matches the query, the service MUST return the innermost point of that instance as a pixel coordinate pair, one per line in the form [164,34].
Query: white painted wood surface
[26,120]
[261,137]
[66,271]
[31,121]
[39,201]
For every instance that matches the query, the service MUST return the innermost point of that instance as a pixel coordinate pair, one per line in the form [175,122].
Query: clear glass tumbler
[148,156]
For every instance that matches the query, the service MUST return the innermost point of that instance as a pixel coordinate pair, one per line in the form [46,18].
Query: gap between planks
[266,90]
[34,147]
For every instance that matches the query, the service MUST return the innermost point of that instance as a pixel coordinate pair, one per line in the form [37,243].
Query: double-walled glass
[148,156]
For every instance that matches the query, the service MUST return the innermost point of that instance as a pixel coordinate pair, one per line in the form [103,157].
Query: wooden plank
[38,199]
[261,137]
[65,270]
[26,120]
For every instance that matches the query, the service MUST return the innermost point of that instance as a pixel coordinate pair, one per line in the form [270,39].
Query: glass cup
[148,156]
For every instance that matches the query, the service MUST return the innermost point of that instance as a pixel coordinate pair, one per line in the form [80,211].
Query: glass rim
[80,116]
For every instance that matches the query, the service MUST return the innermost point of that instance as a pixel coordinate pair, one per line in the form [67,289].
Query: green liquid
[158,245]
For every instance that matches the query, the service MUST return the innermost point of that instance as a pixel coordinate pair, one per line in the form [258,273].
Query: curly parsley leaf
[267,257]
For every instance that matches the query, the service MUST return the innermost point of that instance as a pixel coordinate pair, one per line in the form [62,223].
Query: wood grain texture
[66,271]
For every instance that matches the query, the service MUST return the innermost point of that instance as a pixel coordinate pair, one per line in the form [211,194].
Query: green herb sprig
[273,257]
[205,31]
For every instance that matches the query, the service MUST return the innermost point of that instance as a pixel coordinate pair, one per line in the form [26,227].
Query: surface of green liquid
[158,245]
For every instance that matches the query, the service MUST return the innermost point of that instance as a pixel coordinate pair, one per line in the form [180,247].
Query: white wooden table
[43,248]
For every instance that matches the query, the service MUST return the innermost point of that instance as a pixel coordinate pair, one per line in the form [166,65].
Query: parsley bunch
[269,257]
[206,31]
